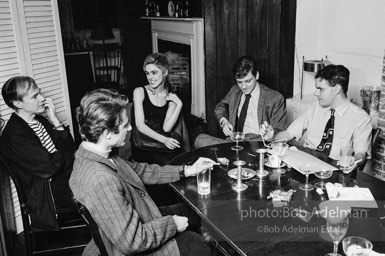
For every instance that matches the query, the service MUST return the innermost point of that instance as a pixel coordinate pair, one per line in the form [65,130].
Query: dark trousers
[190,242]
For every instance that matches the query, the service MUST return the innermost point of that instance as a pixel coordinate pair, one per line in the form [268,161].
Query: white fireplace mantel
[187,31]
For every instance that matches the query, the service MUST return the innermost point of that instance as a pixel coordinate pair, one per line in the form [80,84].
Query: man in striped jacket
[40,152]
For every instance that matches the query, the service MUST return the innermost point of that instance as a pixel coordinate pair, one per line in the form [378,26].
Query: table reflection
[239,216]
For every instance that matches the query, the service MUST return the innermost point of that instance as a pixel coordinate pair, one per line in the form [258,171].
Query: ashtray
[246,173]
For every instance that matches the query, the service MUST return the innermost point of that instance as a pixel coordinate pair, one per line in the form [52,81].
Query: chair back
[375,133]
[107,64]
[23,206]
[93,228]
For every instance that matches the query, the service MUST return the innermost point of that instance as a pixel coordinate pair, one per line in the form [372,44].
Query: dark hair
[100,110]
[16,88]
[335,74]
[243,66]
[160,60]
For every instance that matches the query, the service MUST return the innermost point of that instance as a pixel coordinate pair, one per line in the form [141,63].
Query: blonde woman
[157,113]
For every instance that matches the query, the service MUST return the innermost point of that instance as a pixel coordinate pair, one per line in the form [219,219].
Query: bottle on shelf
[177,10]
[181,9]
[157,14]
[146,9]
[186,9]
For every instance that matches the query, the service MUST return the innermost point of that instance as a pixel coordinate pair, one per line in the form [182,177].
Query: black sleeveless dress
[154,115]
[154,118]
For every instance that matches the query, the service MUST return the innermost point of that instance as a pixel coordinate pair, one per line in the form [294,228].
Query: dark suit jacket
[33,165]
[271,107]
[128,219]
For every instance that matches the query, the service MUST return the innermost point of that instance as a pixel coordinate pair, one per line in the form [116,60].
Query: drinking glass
[279,148]
[306,168]
[355,246]
[237,137]
[346,159]
[204,179]
[337,228]
[323,174]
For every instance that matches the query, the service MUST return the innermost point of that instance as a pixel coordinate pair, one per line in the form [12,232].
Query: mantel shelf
[171,18]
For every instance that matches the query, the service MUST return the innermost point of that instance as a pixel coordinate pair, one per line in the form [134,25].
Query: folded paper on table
[355,197]
[293,157]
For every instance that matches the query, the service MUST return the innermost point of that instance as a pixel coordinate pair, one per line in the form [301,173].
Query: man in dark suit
[38,150]
[247,105]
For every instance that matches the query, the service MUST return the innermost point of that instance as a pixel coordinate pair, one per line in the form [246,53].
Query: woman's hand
[171,143]
[174,98]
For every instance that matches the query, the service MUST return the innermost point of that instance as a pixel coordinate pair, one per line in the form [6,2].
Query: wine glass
[337,228]
[336,214]
[237,137]
[306,168]
[355,245]
[279,148]
[323,174]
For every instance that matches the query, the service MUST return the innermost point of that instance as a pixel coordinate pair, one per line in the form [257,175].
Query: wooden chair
[107,59]
[368,165]
[72,235]
[93,228]
[216,248]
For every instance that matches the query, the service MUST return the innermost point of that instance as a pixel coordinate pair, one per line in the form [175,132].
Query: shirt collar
[340,110]
[255,92]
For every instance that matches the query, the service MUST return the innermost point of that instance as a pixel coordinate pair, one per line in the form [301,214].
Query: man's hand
[199,165]
[227,128]
[181,223]
[51,111]
[267,131]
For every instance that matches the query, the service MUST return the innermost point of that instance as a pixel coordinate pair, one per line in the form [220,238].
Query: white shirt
[352,128]
[251,122]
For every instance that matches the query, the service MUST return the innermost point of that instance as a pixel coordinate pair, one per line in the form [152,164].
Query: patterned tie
[327,138]
[242,115]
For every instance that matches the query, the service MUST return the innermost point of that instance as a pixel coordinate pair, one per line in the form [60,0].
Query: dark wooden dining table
[248,223]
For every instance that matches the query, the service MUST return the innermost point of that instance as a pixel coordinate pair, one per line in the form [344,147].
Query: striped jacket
[128,219]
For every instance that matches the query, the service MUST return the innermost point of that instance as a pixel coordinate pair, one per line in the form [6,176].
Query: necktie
[242,115]
[327,137]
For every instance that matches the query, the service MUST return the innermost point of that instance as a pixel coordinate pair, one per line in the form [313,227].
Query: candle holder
[239,186]
[262,172]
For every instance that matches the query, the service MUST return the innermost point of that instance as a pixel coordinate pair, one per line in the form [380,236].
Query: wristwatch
[182,173]
[171,8]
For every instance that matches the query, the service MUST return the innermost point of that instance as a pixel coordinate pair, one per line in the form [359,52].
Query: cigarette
[251,154]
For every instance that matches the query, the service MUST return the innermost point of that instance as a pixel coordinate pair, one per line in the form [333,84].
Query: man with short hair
[246,106]
[333,122]
[39,152]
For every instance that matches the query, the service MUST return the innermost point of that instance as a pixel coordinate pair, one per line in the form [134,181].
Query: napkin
[293,157]
[354,196]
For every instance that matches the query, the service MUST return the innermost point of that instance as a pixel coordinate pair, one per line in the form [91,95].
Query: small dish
[247,173]
[267,163]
